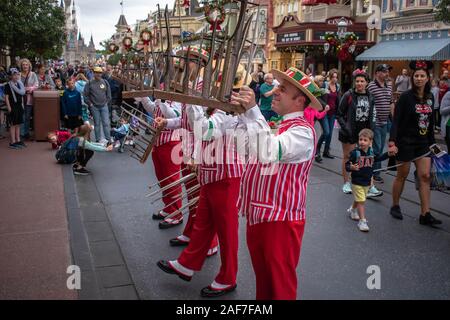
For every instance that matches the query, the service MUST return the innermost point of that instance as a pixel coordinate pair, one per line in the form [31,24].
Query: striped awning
[430,49]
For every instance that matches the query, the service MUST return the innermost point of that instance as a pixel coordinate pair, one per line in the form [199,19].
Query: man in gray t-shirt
[403,82]
[97,95]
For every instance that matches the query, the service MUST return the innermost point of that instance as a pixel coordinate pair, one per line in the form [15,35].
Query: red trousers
[190,223]
[217,212]
[275,251]
[164,167]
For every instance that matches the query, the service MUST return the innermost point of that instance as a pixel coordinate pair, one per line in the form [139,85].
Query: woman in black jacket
[411,136]
[356,111]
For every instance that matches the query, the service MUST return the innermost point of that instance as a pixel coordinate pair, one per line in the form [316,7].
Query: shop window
[423,2]
[291,7]
[274,64]
[410,3]
[393,5]
[384,5]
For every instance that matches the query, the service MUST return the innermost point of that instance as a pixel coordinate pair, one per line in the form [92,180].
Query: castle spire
[91,42]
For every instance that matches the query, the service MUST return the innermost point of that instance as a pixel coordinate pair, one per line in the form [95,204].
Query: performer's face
[287,99]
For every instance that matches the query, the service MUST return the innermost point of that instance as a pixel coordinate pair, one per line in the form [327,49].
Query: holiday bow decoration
[127,43]
[146,37]
[186,4]
[344,48]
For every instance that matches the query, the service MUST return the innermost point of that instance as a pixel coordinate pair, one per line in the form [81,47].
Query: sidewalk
[34,238]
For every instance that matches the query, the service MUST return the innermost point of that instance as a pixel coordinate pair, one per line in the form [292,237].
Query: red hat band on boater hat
[301,81]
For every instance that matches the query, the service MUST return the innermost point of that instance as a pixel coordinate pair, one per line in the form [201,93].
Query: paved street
[34,235]
[125,243]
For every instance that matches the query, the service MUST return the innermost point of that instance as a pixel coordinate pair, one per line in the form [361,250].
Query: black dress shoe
[175,242]
[168,225]
[396,212]
[158,216]
[327,155]
[318,158]
[165,266]
[429,220]
[208,292]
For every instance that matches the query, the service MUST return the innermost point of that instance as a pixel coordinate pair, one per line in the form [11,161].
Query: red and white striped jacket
[156,109]
[219,161]
[216,154]
[277,191]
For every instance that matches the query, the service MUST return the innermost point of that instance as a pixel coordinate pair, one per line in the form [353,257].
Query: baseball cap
[98,69]
[383,67]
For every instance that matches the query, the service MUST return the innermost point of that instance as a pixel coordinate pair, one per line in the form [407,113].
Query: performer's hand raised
[161,123]
[245,98]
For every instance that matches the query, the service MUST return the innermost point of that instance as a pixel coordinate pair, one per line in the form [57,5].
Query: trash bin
[46,113]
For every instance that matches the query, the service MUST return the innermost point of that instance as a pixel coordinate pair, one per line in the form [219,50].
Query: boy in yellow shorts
[360,165]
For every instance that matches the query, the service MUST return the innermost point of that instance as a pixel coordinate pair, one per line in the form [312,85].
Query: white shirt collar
[293,115]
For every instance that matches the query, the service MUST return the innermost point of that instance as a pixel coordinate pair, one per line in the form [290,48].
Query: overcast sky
[99,16]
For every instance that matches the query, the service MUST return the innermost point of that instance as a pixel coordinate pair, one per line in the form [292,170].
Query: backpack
[67,154]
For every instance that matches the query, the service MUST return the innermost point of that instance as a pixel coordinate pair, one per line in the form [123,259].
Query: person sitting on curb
[86,150]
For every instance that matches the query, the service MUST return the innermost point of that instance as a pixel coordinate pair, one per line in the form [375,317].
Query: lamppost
[343,40]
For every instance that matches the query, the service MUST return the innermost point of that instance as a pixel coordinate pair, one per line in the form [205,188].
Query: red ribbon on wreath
[186,4]
[343,53]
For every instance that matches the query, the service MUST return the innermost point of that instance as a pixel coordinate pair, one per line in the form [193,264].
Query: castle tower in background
[76,51]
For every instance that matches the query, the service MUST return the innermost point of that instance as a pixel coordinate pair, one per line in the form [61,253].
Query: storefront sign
[291,37]
[320,35]
[348,21]
[413,27]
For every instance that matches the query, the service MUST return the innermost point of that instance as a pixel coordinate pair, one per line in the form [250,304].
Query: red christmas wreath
[210,9]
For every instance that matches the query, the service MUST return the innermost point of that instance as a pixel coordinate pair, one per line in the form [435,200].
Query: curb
[81,254]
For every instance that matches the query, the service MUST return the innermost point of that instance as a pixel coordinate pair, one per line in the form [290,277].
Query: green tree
[32,28]
[443,11]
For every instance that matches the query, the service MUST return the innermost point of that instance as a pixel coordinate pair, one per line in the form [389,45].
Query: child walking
[14,96]
[360,165]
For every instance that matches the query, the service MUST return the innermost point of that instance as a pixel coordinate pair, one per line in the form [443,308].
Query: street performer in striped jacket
[219,174]
[274,183]
[187,142]
[164,165]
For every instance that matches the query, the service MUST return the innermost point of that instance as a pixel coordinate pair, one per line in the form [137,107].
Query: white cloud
[100,17]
